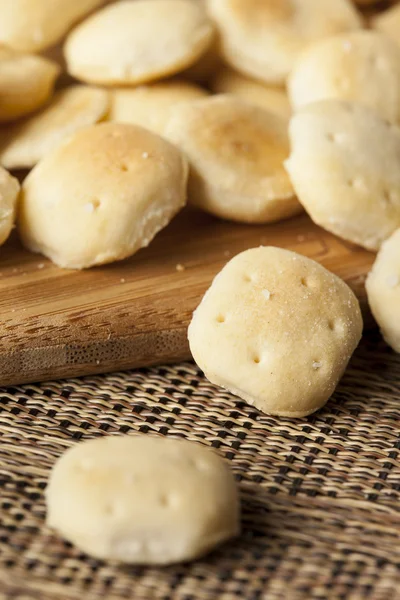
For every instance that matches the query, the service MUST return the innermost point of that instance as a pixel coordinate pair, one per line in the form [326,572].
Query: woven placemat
[321,495]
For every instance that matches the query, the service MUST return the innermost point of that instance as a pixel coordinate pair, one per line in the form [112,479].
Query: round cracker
[276,329]
[143,499]
[151,105]
[9,190]
[33,25]
[383,290]
[272,98]
[101,195]
[26,83]
[388,22]
[345,168]
[138,42]
[356,66]
[263,38]
[23,144]
[236,152]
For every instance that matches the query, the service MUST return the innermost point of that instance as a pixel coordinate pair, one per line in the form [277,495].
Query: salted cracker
[101,195]
[263,38]
[142,499]
[236,152]
[345,168]
[138,42]
[276,329]
[361,66]
[24,143]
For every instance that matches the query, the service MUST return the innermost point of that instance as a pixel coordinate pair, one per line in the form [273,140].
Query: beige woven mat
[321,495]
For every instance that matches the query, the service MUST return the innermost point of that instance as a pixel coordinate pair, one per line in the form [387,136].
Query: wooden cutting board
[59,323]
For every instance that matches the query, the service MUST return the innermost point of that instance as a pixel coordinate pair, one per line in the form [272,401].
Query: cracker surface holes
[295,324]
[368,155]
[147,500]
[134,205]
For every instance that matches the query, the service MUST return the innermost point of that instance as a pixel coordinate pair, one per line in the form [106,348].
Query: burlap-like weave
[321,495]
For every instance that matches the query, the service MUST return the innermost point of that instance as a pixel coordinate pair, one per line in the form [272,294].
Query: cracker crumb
[179,267]
[393,281]
[97,362]
[122,280]
[13,310]
[145,155]
[40,266]
[316,365]
[267,294]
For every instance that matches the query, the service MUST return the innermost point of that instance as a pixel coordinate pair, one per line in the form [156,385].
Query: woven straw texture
[321,495]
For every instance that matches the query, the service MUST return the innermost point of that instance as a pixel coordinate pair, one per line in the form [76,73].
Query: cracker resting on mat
[277,329]
[143,499]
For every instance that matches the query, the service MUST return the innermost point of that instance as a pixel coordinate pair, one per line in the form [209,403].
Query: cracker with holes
[263,38]
[383,290]
[24,143]
[9,190]
[269,97]
[102,194]
[26,83]
[276,329]
[143,499]
[362,66]
[151,106]
[345,168]
[138,42]
[236,152]
[33,25]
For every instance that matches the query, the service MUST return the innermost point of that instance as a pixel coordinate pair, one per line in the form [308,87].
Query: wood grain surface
[61,323]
